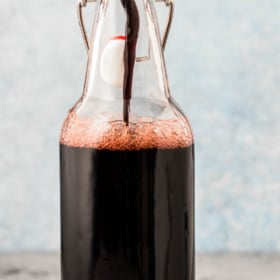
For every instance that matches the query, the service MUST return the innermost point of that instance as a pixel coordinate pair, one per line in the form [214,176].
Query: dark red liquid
[127,215]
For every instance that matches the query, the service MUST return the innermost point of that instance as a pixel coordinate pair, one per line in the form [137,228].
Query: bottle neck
[104,84]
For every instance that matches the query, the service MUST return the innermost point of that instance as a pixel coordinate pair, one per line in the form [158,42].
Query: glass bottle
[126,157]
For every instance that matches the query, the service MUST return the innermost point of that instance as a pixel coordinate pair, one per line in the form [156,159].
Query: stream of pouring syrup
[132,30]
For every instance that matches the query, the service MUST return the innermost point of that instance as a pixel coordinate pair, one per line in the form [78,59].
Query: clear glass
[99,110]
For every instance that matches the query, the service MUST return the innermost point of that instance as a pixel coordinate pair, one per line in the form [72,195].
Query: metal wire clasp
[170,4]
[83,3]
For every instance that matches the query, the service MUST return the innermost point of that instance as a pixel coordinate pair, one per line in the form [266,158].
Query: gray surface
[209,267]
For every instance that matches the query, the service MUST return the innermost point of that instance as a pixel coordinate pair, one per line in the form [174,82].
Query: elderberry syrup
[127,214]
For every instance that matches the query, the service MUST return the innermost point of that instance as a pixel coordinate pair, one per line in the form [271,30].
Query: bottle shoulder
[165,130]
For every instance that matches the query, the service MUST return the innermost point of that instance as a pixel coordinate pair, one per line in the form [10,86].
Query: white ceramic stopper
[111,63]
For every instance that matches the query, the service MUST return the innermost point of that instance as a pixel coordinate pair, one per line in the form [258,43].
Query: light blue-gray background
[223,59]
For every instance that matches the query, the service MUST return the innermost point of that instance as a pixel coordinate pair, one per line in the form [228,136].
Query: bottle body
[127,214]
[127,183]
